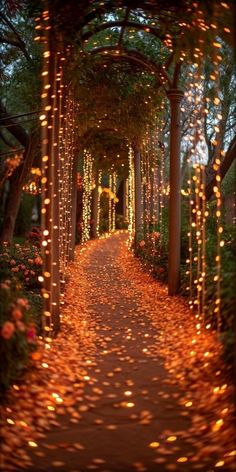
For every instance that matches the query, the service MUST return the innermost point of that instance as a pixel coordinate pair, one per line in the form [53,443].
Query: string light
[197,182]
[66,169]
[217,187]
[196,157]
[87,195]
[153,186]
[114,200]
[46,180]
[99,202]
[110,204]
[131,195]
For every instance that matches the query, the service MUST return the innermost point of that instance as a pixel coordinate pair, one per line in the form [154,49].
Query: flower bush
[35,236]
[17,332]
[24,262]
[23,265]
[153,252]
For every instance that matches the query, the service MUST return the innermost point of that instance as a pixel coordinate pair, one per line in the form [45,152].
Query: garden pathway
[127,385]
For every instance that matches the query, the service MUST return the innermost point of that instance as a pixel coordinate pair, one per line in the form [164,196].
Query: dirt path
[122,396]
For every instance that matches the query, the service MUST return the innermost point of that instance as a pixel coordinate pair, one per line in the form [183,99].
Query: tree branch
[14,128]
[5,140]
[19,43]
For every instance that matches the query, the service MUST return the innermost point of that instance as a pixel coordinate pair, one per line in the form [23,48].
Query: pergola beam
[147,63]
[123,24]
[123,27]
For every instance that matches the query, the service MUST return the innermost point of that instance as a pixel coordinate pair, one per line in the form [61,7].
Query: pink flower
[20,325]
[16,314]
[38,260]
[31,334]
[7,330]
[4,285]
[23,302]
[156,235]
[142,243]
[15,269]
[30,261]
[12,262]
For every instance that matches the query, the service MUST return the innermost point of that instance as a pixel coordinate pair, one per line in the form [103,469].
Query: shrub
[153,252]
[35,236]
[121,223]
[17,332]
[24,262]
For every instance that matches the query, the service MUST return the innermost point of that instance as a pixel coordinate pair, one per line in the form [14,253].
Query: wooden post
[175,96]
[50,182]
[55,223]
[138,196]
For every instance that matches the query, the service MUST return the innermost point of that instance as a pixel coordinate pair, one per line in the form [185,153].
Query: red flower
[38,260]
[20,326]
[7,330]
[23,302]
[16,314]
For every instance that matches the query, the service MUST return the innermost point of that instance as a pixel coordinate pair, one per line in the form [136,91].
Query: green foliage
[21,87]
[116,98]
[153,249]
[120,222]
[17,332]
[228,184]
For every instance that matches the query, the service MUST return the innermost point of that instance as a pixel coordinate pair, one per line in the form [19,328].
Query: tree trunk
[12,208]
[17,180]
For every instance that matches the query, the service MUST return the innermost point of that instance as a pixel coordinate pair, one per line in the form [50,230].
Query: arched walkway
[135,109]
[127,385]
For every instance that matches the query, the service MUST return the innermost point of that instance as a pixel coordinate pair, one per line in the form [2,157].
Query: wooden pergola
[59,25]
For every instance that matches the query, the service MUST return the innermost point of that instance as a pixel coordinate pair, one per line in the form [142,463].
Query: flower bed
[17,332]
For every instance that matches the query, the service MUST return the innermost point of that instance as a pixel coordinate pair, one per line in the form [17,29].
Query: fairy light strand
[87,195]
[131,195]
